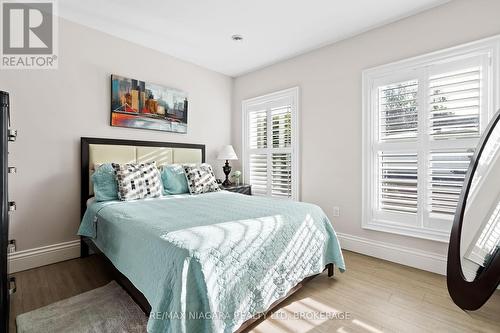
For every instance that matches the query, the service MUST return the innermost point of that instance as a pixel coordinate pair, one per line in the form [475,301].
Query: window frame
[252,104]
[419,68]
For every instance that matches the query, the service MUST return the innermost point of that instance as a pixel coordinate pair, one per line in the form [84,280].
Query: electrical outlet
[12,246]
[336,211]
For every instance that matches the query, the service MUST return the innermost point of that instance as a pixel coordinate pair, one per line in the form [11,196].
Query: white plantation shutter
[398,182]
[447,173]
[270,144]
[281,119]
[281,175]
[457,92]
[258,173]
[396,185]
[422,123]
[398,110]
[258,129]
[455,103]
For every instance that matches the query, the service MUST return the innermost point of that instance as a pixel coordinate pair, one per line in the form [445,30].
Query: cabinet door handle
[12,285]
[12,206]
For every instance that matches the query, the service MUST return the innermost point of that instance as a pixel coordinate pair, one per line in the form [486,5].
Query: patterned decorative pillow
[138,181]
[201,178]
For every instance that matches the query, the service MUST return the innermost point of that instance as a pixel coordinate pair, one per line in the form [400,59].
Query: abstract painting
[139,104]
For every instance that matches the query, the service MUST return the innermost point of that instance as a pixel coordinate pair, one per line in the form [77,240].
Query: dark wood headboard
[87,143]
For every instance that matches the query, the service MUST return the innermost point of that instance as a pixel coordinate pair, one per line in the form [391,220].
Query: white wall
[53,109]
[330,120]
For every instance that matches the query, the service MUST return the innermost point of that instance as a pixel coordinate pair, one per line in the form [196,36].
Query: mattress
[208,263]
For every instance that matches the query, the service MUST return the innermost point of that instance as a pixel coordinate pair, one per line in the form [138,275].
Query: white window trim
[491,45]
[246,105]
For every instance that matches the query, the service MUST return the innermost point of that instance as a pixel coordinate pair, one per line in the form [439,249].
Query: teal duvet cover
[207,263]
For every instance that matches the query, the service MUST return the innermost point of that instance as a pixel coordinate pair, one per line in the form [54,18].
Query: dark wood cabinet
[242,188]
[6,135]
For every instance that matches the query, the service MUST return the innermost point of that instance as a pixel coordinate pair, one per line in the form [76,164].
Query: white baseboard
[41,256]
[424,260]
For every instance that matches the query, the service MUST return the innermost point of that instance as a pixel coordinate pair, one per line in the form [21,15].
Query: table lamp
[227,153]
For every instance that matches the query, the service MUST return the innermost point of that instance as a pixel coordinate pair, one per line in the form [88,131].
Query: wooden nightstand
[242,188]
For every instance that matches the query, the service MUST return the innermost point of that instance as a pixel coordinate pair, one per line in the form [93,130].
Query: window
[270,144]
[422,119]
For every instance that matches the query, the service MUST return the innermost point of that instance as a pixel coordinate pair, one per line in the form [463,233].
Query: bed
[213,262]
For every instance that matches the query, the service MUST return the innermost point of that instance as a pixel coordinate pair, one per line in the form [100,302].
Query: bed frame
[186,152]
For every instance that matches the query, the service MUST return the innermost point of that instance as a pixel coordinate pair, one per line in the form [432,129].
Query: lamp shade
[227,153]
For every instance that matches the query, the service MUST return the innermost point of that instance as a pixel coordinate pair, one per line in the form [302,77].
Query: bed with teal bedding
[210,262]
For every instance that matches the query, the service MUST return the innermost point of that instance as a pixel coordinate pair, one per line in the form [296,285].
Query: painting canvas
[139,104]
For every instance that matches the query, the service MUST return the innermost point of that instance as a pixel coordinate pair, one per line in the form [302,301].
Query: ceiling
[199,31]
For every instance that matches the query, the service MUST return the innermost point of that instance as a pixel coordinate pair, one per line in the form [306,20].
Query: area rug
[105,309]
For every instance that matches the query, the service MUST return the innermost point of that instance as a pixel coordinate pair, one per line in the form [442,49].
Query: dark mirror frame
[471,295]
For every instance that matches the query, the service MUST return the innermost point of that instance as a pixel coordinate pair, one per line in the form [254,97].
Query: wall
[52,109]
[330,120]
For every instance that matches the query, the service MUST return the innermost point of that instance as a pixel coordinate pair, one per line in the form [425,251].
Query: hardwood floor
[381,296]
[372,296]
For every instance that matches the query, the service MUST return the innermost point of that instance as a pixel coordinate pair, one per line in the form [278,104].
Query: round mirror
[473,271]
